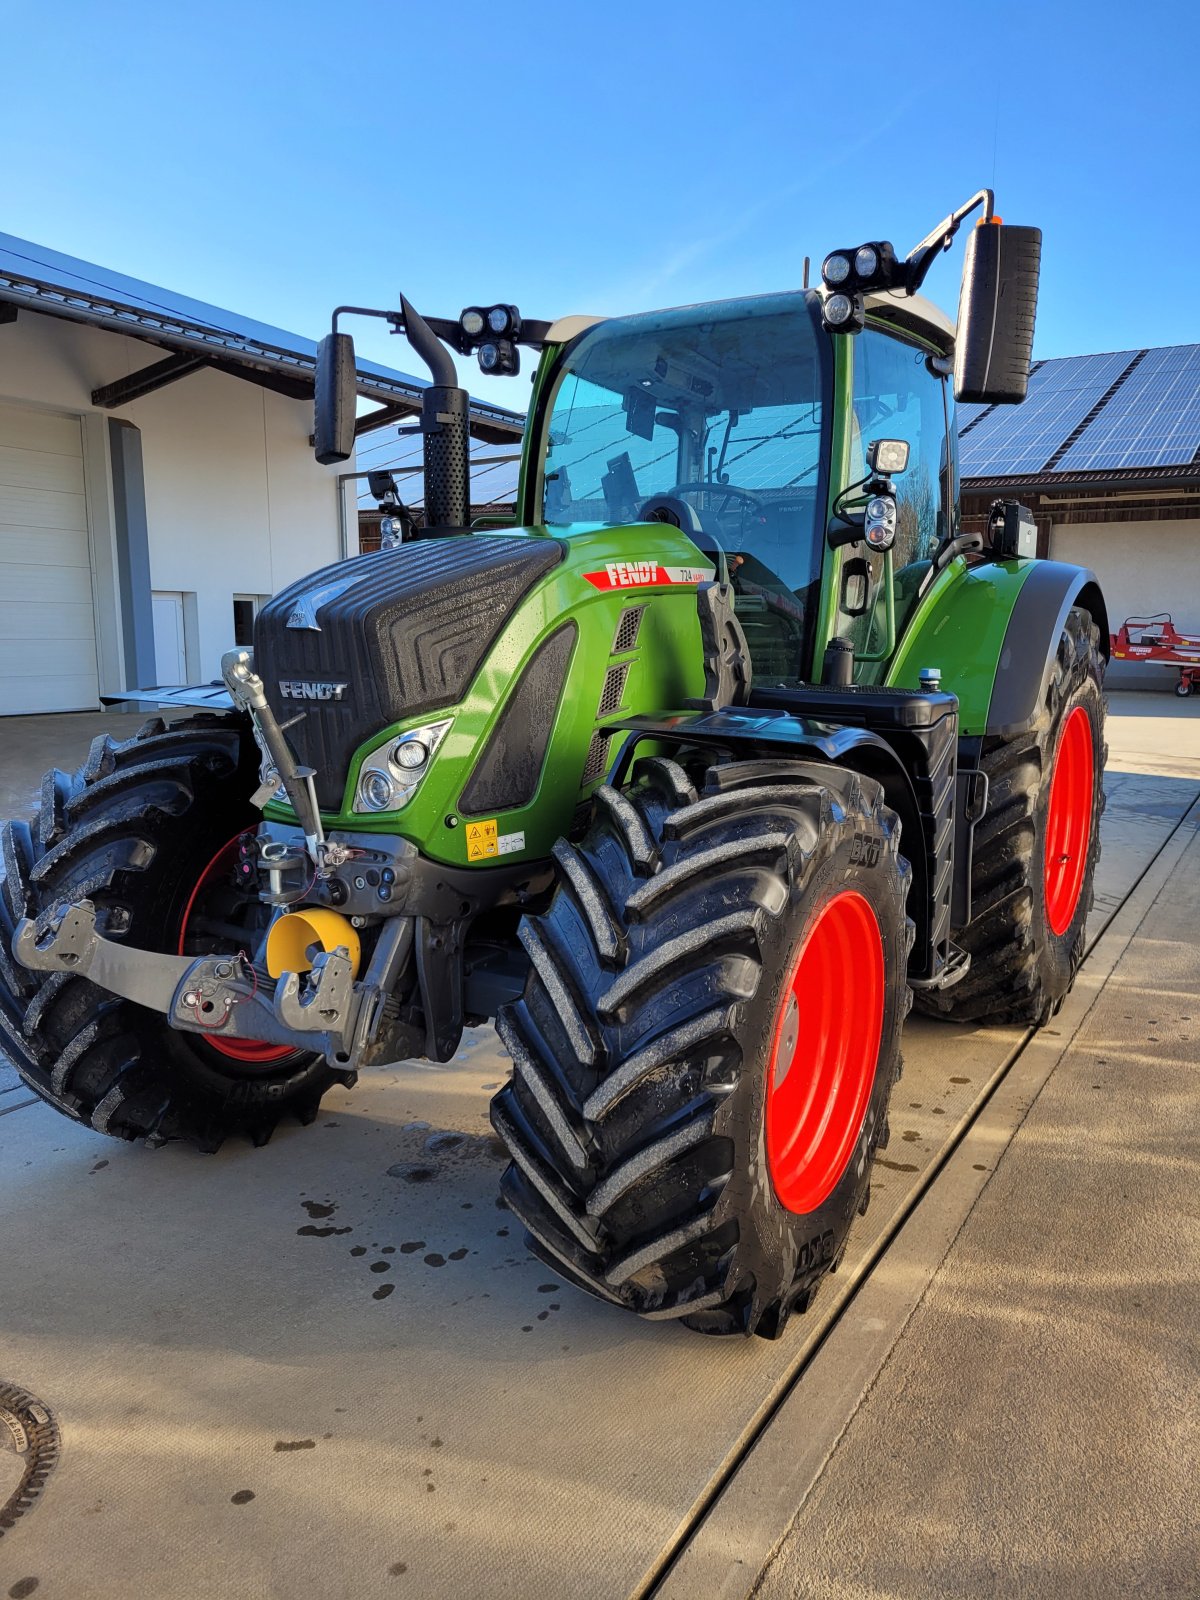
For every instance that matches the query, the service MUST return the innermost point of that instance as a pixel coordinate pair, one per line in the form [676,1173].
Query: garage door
[47,625]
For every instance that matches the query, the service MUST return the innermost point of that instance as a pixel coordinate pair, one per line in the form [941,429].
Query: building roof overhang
[197,335]
[1115,478]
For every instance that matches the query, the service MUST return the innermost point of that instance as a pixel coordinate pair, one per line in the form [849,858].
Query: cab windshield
[712,417]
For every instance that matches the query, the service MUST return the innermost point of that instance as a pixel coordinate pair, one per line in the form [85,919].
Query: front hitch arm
[215,995]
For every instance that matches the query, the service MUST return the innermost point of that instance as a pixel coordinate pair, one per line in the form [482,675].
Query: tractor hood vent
[365,643]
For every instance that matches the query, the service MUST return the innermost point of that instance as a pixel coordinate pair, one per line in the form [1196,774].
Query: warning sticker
[640,574]
[481,840]
[510,842]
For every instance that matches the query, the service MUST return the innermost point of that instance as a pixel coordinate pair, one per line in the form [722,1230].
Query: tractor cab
[720,420]
[714,419]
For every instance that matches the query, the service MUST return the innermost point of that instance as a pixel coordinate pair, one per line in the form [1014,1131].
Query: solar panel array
[493,472]
[1011,441]
[776,447]
[1152,421]
[967,414]
[1151,418]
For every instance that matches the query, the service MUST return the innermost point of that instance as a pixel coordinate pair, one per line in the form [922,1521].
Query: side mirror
[336,397]
[996,311]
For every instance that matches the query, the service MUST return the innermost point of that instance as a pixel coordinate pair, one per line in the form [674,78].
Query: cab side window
[897,397]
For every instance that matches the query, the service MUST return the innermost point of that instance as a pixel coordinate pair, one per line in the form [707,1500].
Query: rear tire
[655,1027]
[1022,967]
[135,831]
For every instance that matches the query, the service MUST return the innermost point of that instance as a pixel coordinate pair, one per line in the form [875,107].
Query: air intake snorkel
[445,418]
[445,411]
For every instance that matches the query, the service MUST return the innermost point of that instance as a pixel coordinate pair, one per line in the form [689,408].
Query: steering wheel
[672,508]
[726,490]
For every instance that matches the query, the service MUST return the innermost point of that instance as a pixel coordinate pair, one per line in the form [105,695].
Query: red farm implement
[1157,639]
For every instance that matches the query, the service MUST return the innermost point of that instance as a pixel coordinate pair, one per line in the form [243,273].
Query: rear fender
[993,631]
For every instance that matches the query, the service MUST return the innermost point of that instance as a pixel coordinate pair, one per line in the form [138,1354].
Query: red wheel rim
[1069,820]
[824,1052]
[254,1052]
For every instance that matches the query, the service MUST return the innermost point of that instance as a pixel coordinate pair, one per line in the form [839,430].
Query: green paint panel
[664,670]
[839,472]
[960,627]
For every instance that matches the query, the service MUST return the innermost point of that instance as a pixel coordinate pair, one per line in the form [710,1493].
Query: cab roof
[913,313]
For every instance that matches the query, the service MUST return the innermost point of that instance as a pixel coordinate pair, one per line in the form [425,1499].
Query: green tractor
[692,779]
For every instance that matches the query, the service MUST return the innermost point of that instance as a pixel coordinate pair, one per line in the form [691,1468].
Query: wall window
[245,609]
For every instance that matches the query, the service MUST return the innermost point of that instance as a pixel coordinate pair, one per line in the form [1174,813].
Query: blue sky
[280,158]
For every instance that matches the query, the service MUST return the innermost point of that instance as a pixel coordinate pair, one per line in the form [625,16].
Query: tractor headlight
[499,357]
[410,752]
[375,791]
[498,319]
[844,312]
[839,308]
[836,268]
[866,261]
[879,523]
[471,322]
[390,773]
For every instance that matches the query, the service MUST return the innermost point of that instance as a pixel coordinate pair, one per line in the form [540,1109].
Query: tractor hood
[359,645]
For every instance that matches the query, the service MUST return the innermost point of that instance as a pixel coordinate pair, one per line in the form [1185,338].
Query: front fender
[993,631]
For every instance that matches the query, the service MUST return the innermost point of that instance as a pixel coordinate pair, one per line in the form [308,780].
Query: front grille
[614,690]
[510,767]
[596,764]
[628,628]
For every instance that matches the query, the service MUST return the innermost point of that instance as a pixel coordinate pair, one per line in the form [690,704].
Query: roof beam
[496,432]
[146,380]
[380,417]
[298,388]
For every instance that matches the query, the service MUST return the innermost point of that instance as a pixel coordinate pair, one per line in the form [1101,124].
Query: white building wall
[1143,568]
[235,502]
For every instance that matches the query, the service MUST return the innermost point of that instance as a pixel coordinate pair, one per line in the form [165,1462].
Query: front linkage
[226,997]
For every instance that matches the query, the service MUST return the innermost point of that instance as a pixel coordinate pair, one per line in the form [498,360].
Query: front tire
[147,830]
[1036,849]
[708,1039]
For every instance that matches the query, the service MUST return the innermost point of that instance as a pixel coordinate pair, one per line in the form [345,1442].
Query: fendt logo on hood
[308,689]
[639,574]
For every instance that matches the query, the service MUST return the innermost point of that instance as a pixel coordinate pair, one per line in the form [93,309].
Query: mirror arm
[394,317]
[922,256]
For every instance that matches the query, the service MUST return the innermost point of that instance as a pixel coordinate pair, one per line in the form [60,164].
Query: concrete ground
[30,746]
[329,1367]
[1036,1429]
